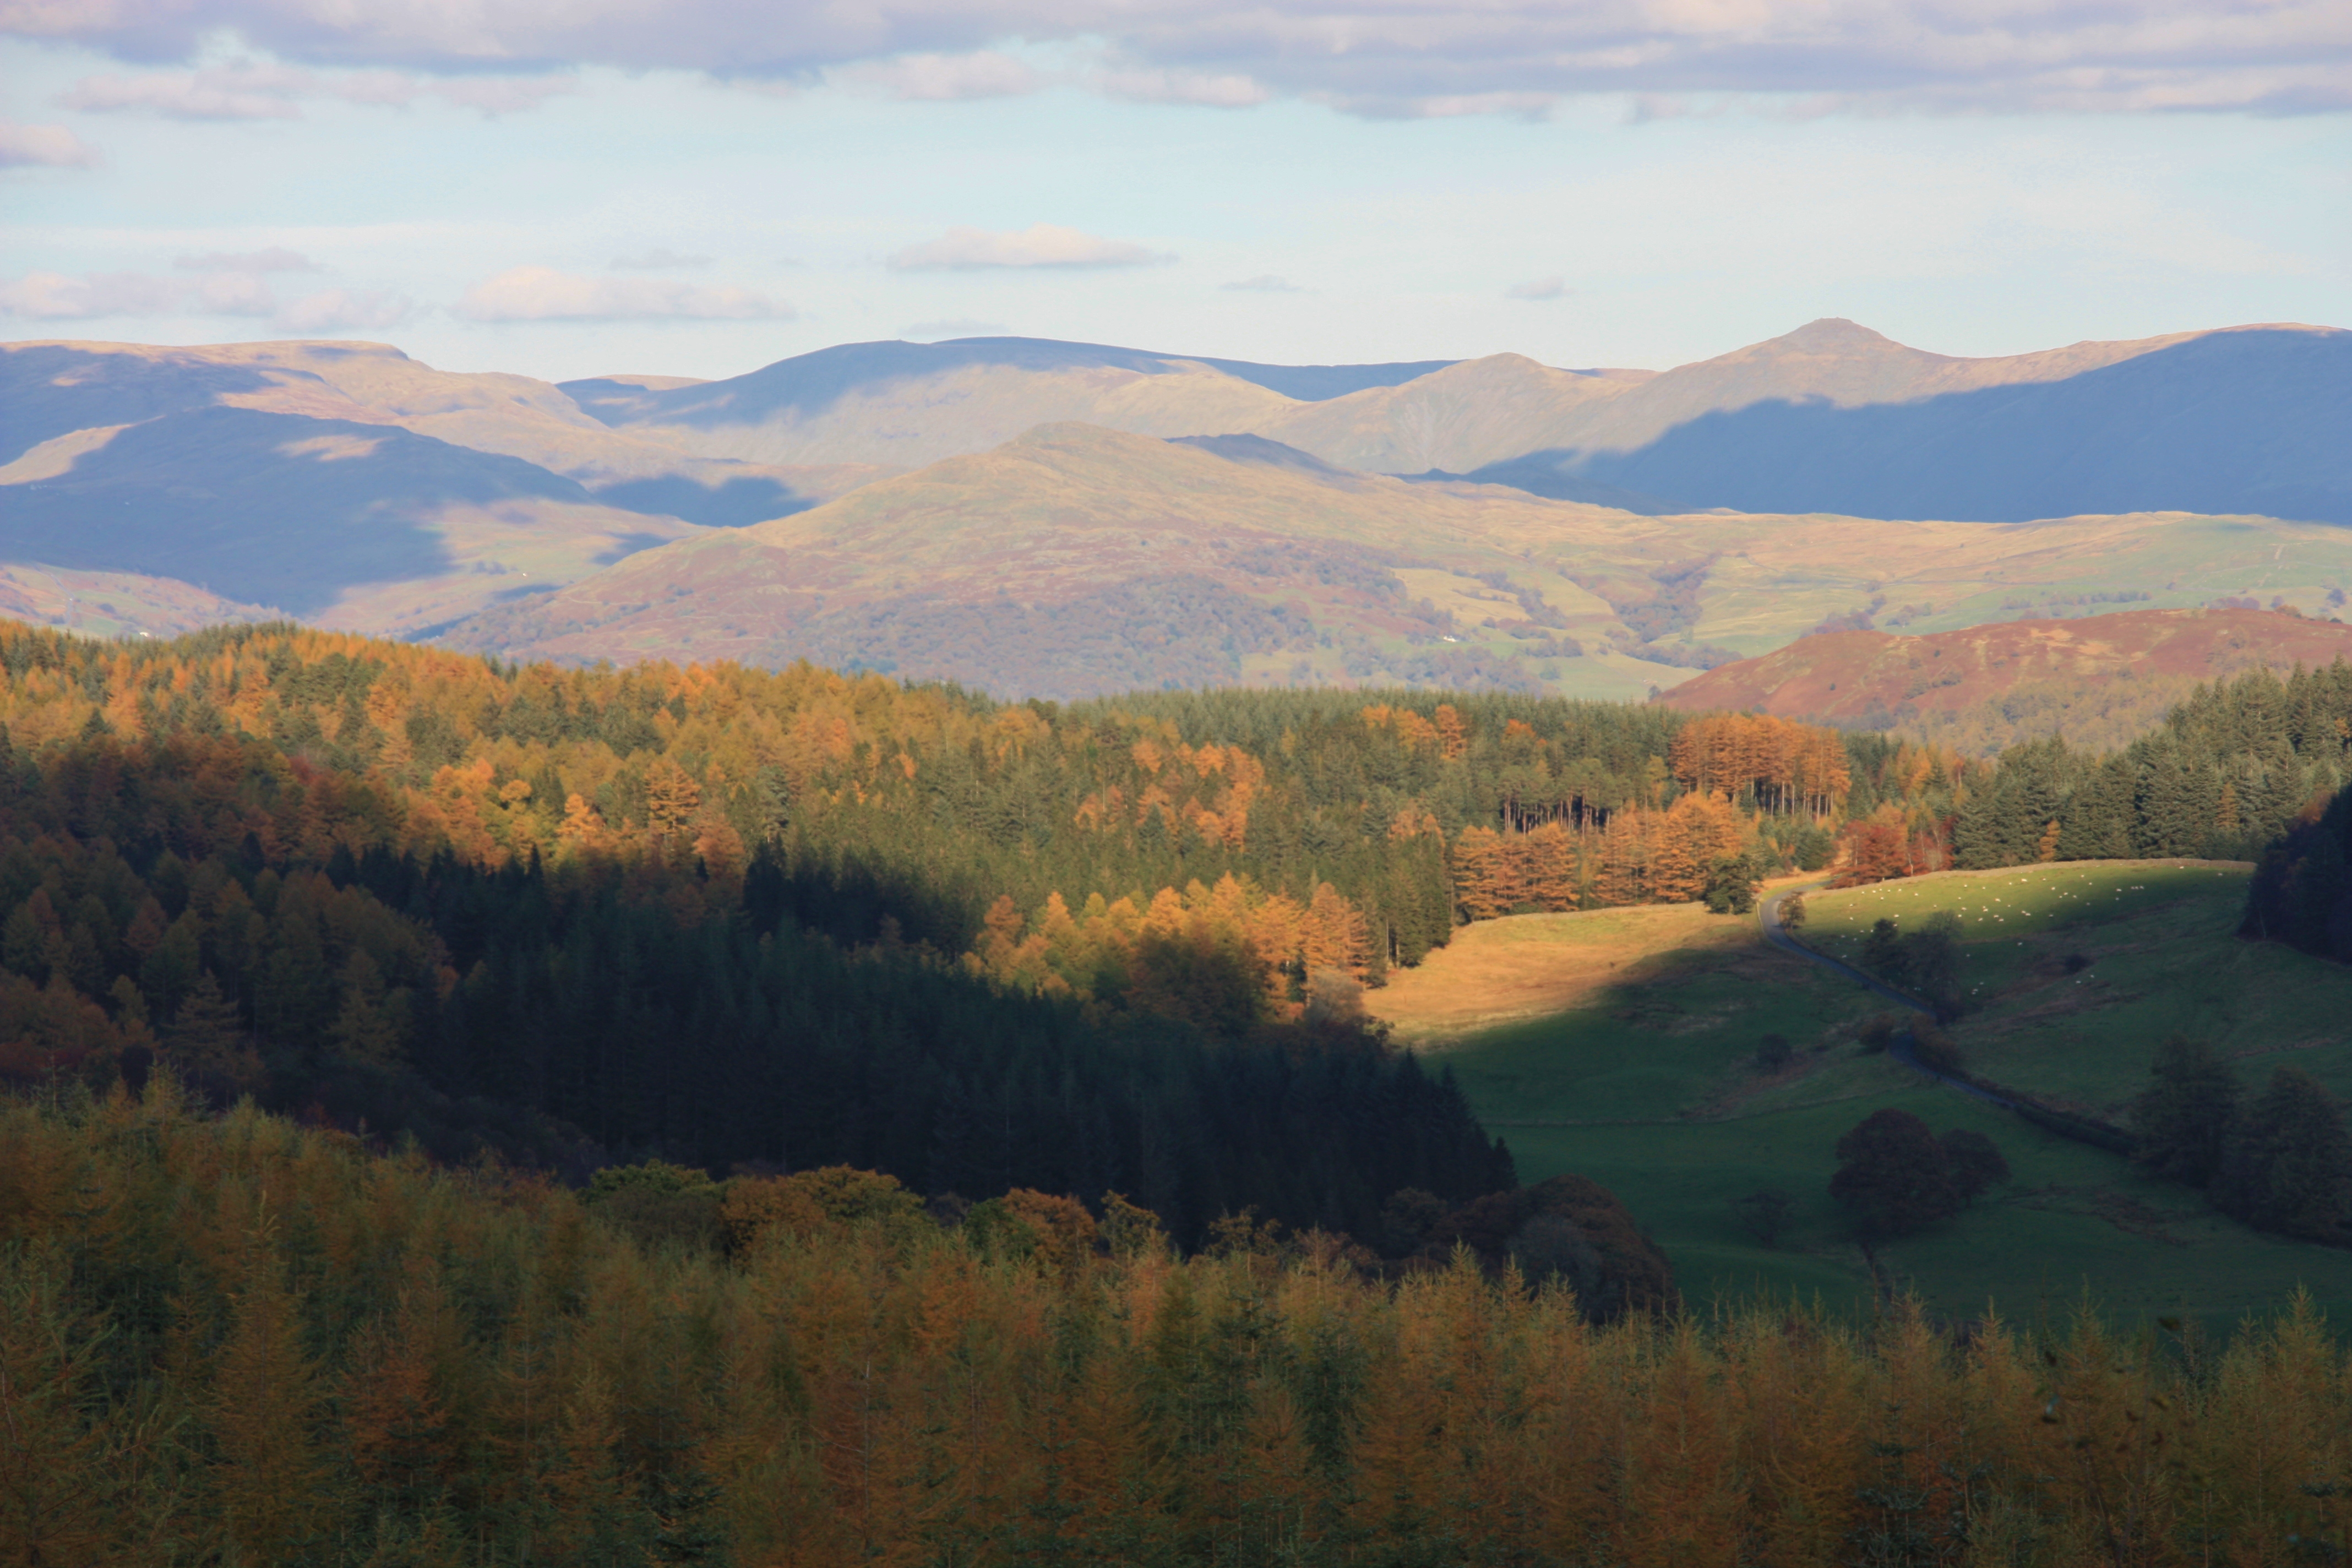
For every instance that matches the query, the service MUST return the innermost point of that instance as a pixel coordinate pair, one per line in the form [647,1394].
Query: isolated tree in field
[1976,1163]
[2286,1165]
[1730,885]
[1894,1175]
[1931,961]
[1763,1214]
[1792,913]
[2183,1116]
[1883,951]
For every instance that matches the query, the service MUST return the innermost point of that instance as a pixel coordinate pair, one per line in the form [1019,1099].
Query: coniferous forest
[239,1341]
[470,1113]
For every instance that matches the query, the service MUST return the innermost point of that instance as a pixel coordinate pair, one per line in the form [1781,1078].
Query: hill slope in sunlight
[2099,680]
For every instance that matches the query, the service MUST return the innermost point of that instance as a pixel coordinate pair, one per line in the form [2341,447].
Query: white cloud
[337,310]
[657,259]
[543,294]
[275,259]
[1264,284]
[244,91]
[1228,90]
[1539,289]
[1382,57]
[1446,105]
[236,294]
[503,95]
[948,77]
[55,297]
[49,146]
[233,92]
[932,332]
[1039,245]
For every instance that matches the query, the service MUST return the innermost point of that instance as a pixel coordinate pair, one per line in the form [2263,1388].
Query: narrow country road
[1903,1047]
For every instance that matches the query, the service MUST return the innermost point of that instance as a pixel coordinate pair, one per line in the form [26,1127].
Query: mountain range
[1054,519]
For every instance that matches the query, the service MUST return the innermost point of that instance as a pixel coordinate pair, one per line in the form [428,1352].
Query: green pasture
[1653,1089]
[2080,970]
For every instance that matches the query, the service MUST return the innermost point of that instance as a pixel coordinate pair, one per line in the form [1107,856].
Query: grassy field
[1622,1043]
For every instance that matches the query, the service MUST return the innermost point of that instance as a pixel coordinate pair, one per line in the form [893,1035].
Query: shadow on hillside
[271,508]
[2243,422]
[809,383]
[47,390]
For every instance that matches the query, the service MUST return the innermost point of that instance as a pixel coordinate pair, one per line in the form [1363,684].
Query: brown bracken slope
[1878,678]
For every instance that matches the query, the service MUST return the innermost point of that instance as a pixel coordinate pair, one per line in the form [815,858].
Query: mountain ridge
[1555,535]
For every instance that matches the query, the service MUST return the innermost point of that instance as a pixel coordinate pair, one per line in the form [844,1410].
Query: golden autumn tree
[270,1479]
[671,796]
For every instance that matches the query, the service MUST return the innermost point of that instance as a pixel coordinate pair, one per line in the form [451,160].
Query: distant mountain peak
[1835,334]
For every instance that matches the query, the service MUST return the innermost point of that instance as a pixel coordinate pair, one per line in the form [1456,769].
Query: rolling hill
[1624,1044]
[1076,559]
[1564,529]
[2098,680]
[1829,417]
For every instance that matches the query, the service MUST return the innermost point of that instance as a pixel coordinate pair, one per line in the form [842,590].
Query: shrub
[1937,1051]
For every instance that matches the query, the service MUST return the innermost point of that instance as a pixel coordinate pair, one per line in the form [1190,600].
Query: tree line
[2280,1160]
[2225,774]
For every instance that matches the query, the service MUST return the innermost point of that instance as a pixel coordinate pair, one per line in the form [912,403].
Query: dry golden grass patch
[1529,966]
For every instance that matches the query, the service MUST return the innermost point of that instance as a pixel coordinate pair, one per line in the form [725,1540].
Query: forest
[238,1340]
[2227,773]
[737,917]
[470,1113]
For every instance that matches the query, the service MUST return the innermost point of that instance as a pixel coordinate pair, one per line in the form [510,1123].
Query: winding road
[1905,1047]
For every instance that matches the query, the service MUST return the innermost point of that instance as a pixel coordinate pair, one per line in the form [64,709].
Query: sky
[697,187]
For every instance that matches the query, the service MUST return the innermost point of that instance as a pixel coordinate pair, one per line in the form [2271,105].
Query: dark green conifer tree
[2184,1114]
[2288,1163]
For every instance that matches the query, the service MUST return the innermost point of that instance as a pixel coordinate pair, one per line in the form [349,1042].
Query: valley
[1173,786]
[1631,1056]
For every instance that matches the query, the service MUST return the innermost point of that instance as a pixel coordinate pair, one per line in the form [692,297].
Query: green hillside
[1650,1086]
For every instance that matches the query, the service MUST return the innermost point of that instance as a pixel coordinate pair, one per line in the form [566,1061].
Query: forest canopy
[799,917]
